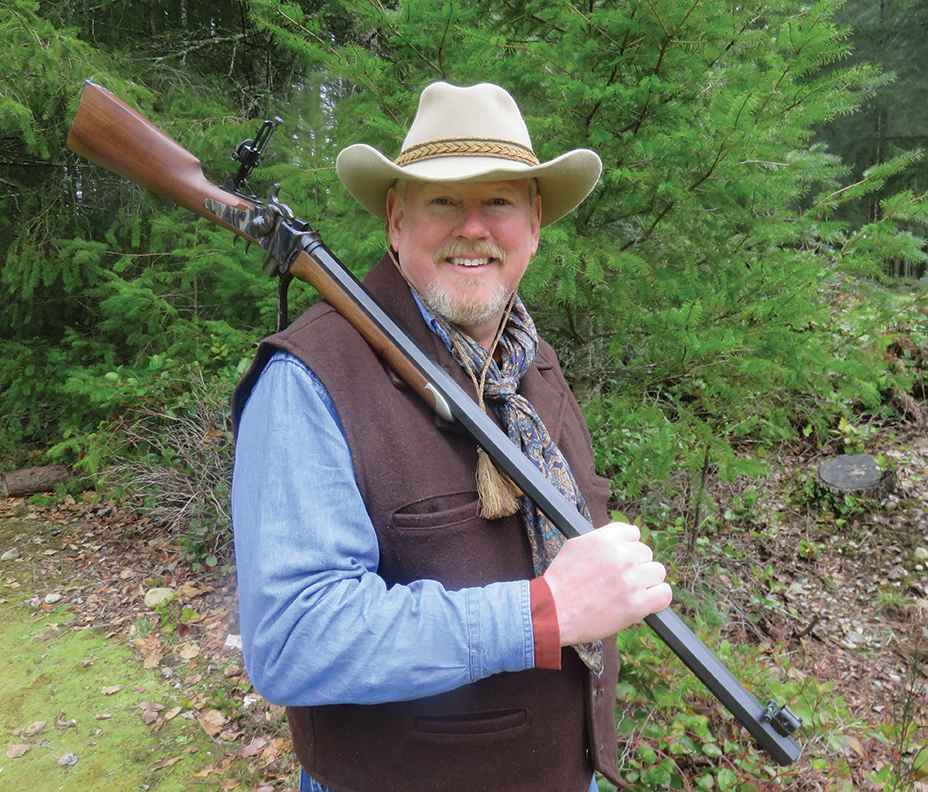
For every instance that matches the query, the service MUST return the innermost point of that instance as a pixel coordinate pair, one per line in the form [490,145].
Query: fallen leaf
[271,753]
[212,722]
[68,760]
[61,723]
[189,591]
[172,713]
[15,751]
[153,660]
[855,745]
[162,763]
[254,747]
[36,728]
[109,690]
[188,651]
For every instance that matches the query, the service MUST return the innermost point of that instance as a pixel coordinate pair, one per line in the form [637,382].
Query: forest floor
[834,592]
[90,669]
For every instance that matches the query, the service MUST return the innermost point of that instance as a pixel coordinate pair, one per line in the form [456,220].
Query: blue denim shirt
[319,626]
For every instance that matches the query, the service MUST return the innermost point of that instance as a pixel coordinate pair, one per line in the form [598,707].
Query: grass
[97,692]
[109,722]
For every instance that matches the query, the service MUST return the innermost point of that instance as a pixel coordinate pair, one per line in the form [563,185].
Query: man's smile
[469,262]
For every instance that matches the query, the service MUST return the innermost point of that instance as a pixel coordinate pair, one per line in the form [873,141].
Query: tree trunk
[856,474]
[31,480]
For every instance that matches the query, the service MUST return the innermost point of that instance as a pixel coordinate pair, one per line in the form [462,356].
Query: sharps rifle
[110,133]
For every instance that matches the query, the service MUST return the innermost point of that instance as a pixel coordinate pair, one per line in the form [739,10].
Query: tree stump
[857,475]
[31,480]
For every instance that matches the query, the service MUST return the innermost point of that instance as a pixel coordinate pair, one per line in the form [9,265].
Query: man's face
[465,246]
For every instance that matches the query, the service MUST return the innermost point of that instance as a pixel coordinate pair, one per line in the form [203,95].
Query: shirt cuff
[545,628]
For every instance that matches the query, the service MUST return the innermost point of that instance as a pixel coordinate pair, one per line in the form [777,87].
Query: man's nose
[472,223]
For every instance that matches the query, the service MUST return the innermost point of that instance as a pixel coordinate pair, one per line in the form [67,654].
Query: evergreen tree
[893,35]
[691,297]
[97,274]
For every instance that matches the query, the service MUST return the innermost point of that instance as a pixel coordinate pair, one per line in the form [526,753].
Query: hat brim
[563,182]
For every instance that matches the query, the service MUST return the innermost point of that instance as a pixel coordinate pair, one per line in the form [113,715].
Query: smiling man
[425,632]
[465,246]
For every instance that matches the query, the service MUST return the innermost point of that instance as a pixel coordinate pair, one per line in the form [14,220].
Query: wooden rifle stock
[110,133]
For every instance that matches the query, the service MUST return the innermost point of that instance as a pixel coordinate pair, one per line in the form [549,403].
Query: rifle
[112,134]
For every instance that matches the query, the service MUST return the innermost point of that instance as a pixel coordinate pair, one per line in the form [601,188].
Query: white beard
[464,311]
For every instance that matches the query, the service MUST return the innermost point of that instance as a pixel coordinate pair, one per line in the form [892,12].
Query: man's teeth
[470,262]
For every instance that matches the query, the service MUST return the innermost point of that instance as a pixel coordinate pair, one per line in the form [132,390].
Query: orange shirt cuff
[544,625]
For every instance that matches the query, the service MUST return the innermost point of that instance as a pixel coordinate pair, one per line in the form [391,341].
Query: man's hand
[604,581]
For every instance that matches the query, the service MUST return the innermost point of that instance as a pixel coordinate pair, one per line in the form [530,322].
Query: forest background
[734,283]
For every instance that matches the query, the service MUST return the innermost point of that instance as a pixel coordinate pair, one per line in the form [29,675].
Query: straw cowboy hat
[468,134]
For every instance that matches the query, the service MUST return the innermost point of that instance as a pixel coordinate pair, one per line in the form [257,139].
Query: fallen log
[31,480]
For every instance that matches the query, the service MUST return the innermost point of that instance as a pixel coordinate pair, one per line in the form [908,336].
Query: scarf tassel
[499,495]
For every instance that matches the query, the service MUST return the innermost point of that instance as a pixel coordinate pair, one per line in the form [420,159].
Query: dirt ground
[845,597]
[843,600]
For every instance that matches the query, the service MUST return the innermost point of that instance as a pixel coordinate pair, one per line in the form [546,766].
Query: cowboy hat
[465,135]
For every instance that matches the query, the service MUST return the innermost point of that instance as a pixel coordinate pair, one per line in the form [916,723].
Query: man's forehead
[471,187]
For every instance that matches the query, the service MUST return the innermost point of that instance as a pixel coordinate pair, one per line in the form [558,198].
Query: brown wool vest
[533,730]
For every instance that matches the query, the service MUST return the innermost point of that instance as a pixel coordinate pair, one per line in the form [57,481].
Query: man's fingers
[628,532]
[651,573]
[604,581]
[659,597]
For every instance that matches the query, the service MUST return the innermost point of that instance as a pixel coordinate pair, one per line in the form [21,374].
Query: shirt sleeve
[545,626]
[319,625]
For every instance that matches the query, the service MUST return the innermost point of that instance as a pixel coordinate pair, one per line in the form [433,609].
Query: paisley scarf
[517,344]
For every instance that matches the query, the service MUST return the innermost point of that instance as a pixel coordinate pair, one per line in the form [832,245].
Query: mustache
[470,250]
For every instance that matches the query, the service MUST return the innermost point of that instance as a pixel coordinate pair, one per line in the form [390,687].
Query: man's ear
[536,223]
[394,217]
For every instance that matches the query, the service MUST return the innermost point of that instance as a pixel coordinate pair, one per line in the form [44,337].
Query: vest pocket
[442,511]
[444,538]
[475,723]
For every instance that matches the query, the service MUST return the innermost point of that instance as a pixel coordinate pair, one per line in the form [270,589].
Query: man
[411,620]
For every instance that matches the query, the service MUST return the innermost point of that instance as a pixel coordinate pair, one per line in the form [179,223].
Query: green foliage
[893,119]
[96,273]
[699,298]
[720,291]
[172,443]
[676,736]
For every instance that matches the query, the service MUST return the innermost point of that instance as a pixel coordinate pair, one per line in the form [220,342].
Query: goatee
[464,310]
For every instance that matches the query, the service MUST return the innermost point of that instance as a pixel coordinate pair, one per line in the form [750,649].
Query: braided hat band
[467,147]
